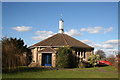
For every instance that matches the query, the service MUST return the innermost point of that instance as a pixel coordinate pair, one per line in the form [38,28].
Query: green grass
[97,72]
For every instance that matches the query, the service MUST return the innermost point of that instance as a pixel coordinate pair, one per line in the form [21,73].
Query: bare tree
[101,53]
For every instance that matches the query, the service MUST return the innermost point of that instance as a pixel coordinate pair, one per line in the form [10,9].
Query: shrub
[64,58]
[93,60]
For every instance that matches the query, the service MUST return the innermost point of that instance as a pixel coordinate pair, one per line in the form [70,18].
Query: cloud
[109,46]
[74,32]
[87,41]
[45,34]
[115,43]
[103,45]
[22,28]
[111,51]
[112,41]
[97,29]
[42,35]
[108,29]
[100,46]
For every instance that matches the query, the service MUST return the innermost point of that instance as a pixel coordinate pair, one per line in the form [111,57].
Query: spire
[61,25]
[61,16]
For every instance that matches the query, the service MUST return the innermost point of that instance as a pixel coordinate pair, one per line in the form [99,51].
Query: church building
[44,52]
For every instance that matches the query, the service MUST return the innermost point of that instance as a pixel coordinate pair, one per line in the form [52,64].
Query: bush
[93,60]
[64,58]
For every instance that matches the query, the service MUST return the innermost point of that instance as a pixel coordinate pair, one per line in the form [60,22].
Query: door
[46,59]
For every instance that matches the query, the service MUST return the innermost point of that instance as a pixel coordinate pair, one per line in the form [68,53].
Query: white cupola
[61,25]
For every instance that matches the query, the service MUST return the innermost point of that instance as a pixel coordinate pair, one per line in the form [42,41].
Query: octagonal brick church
[44,52]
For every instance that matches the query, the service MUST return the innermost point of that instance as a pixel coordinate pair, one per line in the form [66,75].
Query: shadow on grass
[35,69]
[103,65]
[24,69]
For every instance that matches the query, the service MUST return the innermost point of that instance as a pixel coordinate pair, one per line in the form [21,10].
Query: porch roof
[48,49]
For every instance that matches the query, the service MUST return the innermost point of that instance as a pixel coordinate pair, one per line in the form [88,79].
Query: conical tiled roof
[62,40]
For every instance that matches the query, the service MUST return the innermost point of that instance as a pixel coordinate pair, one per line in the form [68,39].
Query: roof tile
[62,40]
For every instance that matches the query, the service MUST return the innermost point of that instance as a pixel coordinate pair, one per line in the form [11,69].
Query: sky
[94,23]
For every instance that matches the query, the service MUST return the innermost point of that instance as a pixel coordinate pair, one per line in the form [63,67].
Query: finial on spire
[61,16]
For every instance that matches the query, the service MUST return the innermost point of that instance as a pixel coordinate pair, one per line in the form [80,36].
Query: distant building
[44,52]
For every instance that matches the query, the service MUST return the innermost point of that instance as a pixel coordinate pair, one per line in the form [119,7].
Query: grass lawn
[97,72]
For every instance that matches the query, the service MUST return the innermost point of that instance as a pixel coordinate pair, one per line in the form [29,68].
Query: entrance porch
[46,59]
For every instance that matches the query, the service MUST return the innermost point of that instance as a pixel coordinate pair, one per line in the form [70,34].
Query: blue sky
[94,23]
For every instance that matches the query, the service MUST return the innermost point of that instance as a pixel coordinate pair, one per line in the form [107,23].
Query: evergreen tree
[64,57]
[12,53]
